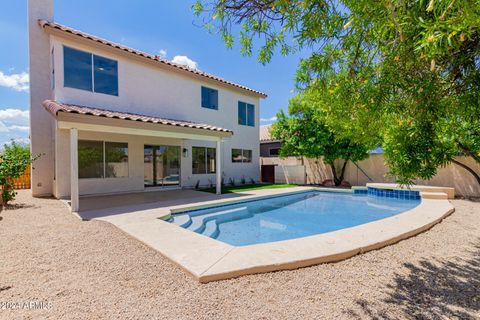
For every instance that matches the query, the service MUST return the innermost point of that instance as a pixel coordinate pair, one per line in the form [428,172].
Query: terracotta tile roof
[53,25]
[265,134]
[55,107]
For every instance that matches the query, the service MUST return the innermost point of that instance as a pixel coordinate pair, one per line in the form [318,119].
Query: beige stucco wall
[449,176]
[41,123]
[290,174]
[135,179]
[148,88]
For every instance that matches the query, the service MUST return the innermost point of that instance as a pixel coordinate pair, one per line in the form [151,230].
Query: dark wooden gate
[268,173]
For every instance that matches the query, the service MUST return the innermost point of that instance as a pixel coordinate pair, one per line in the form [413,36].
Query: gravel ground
[93,270]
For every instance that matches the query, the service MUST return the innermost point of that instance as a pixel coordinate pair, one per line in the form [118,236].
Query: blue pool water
[291,216]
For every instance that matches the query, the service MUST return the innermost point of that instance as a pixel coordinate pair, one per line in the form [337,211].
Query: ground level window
[241,155]
[116,159]
[203,160]
[100,159]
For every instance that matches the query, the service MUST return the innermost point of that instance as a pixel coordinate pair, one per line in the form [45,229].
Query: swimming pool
[290,216]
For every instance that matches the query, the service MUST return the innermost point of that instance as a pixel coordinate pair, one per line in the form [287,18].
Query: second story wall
[150,88]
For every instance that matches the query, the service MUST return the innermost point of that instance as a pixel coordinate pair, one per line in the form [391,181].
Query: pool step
[183,221]
[211,229]
[198,222]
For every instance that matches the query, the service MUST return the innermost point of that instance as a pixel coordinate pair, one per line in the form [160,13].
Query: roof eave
[61,29]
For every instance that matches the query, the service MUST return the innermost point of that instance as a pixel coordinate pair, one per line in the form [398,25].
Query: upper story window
[209,98]
[274,152]
[86,71]
[53,68]
[105,75]
[246,114]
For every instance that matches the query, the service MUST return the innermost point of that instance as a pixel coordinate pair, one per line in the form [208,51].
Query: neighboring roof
[378,150]
[265,134]
[55,107]
[54,25]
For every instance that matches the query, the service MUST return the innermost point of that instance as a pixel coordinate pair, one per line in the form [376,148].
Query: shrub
[14,160]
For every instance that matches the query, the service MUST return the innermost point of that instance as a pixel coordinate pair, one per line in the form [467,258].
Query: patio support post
[74,198]
[218,168]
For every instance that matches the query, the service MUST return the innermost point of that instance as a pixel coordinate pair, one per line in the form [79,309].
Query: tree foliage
[408,71]
[304,133]
[14,160]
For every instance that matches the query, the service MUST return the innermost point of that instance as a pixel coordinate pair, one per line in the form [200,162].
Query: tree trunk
[468,152]
[342,174]
[468,169]
[338,179]
[334,173]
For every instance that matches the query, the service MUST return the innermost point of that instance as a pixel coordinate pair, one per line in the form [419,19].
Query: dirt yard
[55,266]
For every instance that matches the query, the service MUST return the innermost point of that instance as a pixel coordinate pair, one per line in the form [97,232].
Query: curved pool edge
[207,259]
[328,247]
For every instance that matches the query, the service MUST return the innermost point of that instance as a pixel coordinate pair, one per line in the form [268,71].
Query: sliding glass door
[161,166]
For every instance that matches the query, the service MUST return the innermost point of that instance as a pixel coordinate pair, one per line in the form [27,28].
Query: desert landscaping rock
[91,269]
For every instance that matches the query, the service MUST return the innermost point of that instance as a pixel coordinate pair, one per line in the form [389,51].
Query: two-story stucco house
[109,119]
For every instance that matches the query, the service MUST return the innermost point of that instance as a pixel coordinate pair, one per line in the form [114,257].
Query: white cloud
[19,128]
[3,128]
[186,61]
[14,120]
[10,113]
[162,53]
[271,119]
[16,81]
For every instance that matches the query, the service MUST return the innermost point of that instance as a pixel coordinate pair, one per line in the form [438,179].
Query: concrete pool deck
[208,260]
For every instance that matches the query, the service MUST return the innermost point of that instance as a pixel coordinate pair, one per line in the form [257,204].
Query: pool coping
[207,259]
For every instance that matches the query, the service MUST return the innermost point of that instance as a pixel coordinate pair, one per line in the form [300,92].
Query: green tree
[406,70]
[304,133]
[14,160]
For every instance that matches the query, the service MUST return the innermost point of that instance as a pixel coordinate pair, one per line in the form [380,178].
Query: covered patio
[94,123]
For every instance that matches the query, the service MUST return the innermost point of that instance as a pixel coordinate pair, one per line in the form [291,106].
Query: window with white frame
[101,159]
[87,71]
[203,160]
[246,114]
[241,155]
[209,98]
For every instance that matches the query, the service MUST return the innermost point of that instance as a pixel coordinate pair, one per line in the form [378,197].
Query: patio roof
[55,107]
[67,30]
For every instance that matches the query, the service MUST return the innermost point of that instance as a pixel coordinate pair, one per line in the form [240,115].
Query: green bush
[14,160]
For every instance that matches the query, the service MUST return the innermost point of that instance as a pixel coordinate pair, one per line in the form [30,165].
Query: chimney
[41,123]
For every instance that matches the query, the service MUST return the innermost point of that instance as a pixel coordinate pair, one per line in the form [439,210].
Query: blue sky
[158,27]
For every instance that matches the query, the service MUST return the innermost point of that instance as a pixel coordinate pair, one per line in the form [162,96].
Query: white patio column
[218,168]
[74,199]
